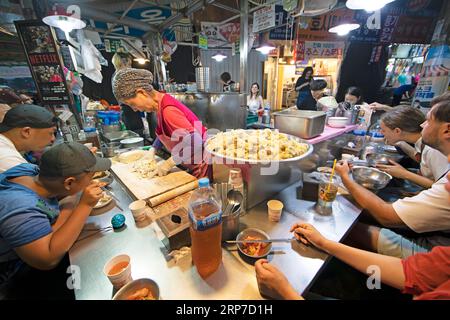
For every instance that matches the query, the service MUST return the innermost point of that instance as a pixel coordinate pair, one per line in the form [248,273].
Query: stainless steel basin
[300,123]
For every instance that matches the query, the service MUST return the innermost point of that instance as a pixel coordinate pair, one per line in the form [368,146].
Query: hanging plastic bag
[92,60]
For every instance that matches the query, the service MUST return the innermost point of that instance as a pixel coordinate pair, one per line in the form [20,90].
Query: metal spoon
[234,198]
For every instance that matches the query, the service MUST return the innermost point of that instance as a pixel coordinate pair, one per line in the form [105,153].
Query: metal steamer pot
[263,179]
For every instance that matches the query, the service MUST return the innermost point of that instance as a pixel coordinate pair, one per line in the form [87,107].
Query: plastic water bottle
[205,215]
[360,135]
[266,115]
[375,133]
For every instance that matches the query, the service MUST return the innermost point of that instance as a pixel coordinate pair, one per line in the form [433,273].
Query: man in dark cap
[34,231]
[25,128]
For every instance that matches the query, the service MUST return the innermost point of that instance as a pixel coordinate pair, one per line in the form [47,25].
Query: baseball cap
[28,115]
[71,159]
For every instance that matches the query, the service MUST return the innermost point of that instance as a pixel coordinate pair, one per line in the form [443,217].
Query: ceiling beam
[224,6]
[105,16]
[131,6]
[270,2]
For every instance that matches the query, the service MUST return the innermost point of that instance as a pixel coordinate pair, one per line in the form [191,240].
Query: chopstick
[260,241]
[112,196]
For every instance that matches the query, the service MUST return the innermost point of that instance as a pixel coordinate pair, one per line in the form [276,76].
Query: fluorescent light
[265,49]
[344,29]
[65,23]
[219,57]
[368,5]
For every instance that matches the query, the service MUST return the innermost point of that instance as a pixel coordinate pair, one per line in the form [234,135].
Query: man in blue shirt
[34,230]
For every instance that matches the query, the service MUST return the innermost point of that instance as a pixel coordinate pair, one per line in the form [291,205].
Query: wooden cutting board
[143,189]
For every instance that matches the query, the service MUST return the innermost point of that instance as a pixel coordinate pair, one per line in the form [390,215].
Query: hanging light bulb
[344,29]
[60,18]
[265,49]
[219,57]
[141,60]
[368,5]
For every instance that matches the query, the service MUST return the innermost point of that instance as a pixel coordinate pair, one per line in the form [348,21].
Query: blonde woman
[133,120]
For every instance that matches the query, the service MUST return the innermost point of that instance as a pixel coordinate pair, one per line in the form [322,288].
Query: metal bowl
[254,233]
[371,178]
[135,285]
[383,158]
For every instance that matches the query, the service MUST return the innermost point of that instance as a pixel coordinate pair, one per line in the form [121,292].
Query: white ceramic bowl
[337,122]
[132,142]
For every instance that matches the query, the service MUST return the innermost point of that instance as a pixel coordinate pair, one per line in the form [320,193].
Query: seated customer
[404,124]
[317,91]
[25,128]
[353,95]
[428,211]
[424,275]
[34,229]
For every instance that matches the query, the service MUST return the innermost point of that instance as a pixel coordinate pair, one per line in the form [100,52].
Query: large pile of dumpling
[256,145]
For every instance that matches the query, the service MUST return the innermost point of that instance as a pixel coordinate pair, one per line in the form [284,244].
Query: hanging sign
[286,29]
[235,47]
[44,61]
[323,49]
[203,41]
[318,26]
[264,18]
[435,74]
[112,45]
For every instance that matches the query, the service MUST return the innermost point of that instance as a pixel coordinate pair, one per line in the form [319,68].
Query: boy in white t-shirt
[24,128]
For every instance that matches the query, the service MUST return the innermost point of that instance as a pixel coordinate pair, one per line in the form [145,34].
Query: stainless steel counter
[234,280]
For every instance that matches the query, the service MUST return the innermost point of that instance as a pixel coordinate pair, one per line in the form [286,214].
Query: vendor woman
[178,127]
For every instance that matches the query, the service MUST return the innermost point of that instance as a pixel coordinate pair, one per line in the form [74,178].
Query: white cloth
[9,156]
[433,164]
[427,212]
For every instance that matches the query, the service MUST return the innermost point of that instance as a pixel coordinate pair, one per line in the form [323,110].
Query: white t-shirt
[254,104]
[9,156]
[428,211]
[433,164]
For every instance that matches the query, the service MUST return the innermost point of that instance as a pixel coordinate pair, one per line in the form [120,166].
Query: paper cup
[118,270]
[138,209]
[275,208]
[89,145]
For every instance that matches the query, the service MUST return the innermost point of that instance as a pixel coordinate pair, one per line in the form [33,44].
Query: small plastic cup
[275,208]
[118,270]
[327,194]
[138,209]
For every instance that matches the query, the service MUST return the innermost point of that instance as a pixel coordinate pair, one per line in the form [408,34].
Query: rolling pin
[154,201]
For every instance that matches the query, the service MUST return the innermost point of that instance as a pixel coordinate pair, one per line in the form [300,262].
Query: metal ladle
[234,198]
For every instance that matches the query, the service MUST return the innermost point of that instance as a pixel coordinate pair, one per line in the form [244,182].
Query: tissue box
[175,227]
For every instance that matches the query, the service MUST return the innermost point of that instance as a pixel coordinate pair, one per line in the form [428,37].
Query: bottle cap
[203,183]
